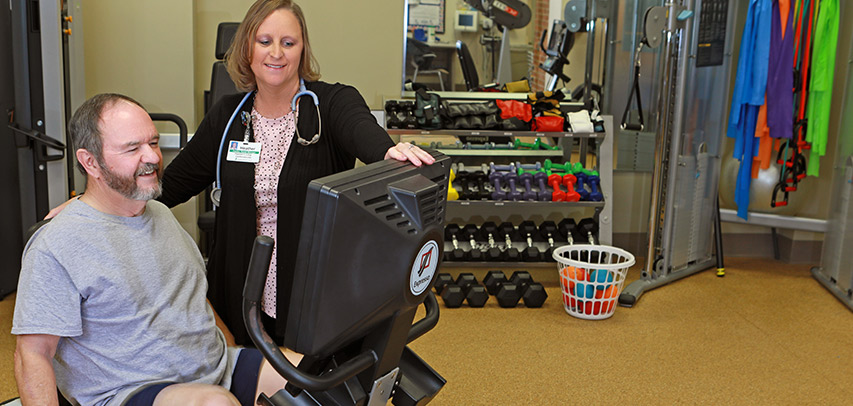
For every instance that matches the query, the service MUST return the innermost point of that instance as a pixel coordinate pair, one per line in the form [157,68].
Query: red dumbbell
[558,195]
[569,181]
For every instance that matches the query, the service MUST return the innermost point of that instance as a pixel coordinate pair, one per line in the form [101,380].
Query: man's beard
[126,185]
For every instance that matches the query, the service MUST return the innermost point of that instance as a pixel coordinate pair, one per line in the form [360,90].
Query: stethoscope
[216,193]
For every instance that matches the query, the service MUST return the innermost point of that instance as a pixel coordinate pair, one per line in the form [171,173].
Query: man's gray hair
[84,127]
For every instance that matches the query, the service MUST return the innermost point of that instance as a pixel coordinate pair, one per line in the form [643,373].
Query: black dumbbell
[571,232]
[463,177]
[508,295]
[452,295]
[489,231]
[530,254]
[534,295]
[474,293]
[482,179]
[521,279]
[532,292]
[567,228]
[587,229]
[521,286]
[548,229]
[408,120]
[507,230]
[451,231]
[393,109]
[470,231]
[493,281]
[441,280]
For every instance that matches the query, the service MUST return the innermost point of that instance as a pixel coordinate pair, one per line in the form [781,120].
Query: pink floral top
[275,135]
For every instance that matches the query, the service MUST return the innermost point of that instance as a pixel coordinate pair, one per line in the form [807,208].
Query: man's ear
[89,162]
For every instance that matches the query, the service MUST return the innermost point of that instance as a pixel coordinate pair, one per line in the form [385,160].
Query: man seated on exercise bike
[111,305]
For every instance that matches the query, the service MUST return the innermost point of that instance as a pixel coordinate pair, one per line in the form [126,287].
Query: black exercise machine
[560,43]
[371,242]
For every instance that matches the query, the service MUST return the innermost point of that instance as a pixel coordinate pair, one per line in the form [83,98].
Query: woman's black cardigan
[349,131]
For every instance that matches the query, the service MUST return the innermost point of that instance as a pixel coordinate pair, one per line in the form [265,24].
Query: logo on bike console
[423,268]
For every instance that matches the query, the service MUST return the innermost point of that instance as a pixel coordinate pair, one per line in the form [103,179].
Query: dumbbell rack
[467,209]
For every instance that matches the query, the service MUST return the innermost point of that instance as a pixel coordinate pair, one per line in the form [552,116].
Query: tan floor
[767,333]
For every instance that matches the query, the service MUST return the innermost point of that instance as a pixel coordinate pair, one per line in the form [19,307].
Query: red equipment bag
[549,124]
[515,108]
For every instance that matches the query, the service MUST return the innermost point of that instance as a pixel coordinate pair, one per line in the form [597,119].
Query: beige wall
[142,49]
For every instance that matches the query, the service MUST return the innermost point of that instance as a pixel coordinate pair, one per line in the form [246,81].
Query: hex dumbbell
[489,232]
[521,286]
[451,233]
[527,229]
[475,294]
[470,232]
[533,293]
[493,281]
[507,230]
[548,230]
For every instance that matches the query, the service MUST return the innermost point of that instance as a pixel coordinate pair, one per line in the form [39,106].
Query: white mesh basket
[591,278]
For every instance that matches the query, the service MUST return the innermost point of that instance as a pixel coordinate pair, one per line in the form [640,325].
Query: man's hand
[34,369]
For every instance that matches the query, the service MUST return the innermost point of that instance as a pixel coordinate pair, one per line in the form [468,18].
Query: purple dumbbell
[544,194]
[530,167]
[528,194]
[495,178]
[504,168]
[513,194]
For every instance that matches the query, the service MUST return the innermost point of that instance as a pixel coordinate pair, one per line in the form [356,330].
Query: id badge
[244,152]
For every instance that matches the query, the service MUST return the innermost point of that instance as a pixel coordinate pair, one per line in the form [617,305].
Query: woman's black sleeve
[194,169]
[356,127]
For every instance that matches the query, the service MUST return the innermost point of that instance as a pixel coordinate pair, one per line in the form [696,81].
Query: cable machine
[36,119]
[693,81]
[835,272]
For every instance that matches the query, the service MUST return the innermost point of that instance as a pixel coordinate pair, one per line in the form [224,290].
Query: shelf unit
[603,154]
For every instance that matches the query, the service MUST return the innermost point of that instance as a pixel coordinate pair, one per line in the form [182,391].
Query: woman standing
[300,138]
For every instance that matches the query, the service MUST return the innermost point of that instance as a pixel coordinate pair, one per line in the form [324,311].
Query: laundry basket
[591,278]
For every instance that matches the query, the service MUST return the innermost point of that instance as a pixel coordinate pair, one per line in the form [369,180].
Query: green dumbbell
[551,166]
[549,147]
[535,145]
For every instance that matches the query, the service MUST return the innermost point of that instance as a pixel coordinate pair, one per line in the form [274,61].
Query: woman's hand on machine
[409,152]
[53,212]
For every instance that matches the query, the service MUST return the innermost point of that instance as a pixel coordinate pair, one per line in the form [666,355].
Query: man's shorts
[244,381]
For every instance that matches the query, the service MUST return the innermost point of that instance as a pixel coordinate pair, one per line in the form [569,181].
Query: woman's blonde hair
[238,59]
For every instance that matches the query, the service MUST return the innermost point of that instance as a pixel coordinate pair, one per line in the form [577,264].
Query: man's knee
[196,395]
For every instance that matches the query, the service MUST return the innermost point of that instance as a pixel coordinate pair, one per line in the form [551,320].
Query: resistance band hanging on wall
[795,105]
[749,95]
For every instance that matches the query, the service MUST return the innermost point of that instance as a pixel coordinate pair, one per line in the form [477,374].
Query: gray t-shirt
[128,297]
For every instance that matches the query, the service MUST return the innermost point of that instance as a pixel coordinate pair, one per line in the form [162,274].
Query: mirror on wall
[433,27]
